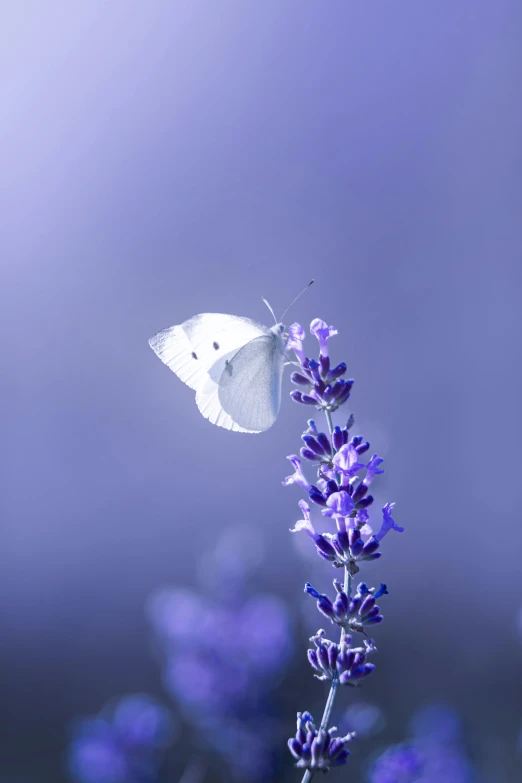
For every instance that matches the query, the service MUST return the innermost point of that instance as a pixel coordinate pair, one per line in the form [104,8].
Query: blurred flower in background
[224,649]
[434,752]
[364,718]
[123,744]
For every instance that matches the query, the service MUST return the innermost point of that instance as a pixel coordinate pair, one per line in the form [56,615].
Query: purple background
[167,158]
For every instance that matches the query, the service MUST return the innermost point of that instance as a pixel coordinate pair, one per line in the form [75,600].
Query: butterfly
[234,364]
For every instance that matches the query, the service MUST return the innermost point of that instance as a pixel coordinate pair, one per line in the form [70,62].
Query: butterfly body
[234,364]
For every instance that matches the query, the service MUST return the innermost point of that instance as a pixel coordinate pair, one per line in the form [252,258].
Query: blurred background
[166,158]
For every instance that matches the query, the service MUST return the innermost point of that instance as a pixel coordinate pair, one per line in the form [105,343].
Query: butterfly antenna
[297,297]
[270,308]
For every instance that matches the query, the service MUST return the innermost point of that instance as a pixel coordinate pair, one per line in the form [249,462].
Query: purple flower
[317,749]
[323,602]
[340,661]
[123,744]
[297,477]
[224,651]
[322,331]
[438,723]
[387,522]
[373,469]
[319,385]
[296,335]
[346,461]
[339,505]
[324,547]
[433,753]
[343,496]
[362,520]
[352,614]
[402,763]
[365,718]
[306,523]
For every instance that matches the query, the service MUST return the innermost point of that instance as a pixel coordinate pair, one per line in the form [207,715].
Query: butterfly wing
[248,394]
[201,346]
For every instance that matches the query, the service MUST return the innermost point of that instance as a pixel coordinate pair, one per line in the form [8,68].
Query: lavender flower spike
[340,489]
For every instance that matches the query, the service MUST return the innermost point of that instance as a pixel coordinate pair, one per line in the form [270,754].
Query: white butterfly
[234,364]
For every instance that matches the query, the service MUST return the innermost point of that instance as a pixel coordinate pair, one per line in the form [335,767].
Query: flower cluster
[319,385]
[317,749]
[354,540]
[340,661]
[350,613]
[434,751]
[341,491]
[122,744]
[223,650]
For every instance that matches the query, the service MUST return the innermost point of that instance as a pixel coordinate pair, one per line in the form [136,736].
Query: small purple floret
[387,522]
[323,332]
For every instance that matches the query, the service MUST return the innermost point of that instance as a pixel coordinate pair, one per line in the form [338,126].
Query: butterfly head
[280,333]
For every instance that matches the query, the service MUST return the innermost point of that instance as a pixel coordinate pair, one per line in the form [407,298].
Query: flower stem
[329,420]
[308,775]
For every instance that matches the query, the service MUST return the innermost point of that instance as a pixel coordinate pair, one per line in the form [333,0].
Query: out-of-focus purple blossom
[353,613]
[340,661]
[239,551]
[223,654]
[364,718]
[123,744]
[317,749]
[434,752]
[245,743]
[438,723]
[226,648]
[398,764]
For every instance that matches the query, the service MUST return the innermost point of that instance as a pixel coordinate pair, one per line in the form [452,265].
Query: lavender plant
[343,496]
[123,744]
[223,650]
[434,751]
